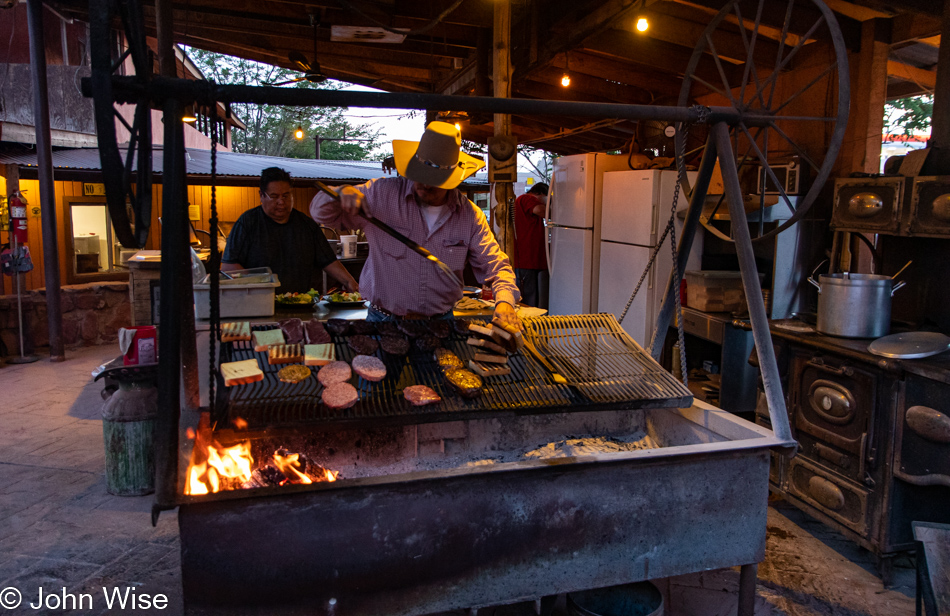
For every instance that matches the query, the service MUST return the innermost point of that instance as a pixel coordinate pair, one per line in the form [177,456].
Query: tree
[270,128]
[541,161]
[909,115]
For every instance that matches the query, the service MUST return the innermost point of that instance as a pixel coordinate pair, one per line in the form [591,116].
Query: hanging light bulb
[566,80]
[566,77]
[298,134]
[642,24]
[189,115]
[458,127]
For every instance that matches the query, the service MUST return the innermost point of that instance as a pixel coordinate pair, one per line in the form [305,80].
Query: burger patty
[340,396]
[334,372]
[420,395]
[440,328]
[388,328]
[461,326]
[427,343]
[369,367]
[413,328]
[338,327]
[394,345]
[317,333]
[363,345]
[364,328]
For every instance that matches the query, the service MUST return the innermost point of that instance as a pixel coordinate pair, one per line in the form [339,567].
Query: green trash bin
[128,428]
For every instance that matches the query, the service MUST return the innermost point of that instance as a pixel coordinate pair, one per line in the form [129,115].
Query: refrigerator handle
[547,225]
[547,249]
[651,276]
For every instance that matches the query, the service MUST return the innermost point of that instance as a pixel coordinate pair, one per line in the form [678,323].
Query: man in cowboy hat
[424,205]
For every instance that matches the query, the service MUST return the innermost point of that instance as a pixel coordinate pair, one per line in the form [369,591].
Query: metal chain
[215,335]
[675,288]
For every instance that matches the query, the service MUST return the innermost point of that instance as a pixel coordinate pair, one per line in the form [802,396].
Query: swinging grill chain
[215,335]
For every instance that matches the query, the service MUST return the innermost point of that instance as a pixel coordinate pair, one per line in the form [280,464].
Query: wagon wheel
[116,172]
[739,60]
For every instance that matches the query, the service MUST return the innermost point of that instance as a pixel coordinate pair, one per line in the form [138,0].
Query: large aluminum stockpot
[855,305]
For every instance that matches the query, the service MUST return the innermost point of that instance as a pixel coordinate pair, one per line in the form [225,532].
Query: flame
[220,467]
[288,465]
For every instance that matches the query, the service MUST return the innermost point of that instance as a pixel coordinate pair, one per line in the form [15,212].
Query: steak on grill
[394,345]
[364,328]
[338,327]
[340,396]
[420,395]
[334,372]
[317,333]
[363,345]
[293,330]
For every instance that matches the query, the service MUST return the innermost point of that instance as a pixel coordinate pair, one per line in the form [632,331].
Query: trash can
[637,599]
[128,428]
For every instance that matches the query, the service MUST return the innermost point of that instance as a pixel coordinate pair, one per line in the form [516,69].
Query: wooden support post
[501,71]
[861,150]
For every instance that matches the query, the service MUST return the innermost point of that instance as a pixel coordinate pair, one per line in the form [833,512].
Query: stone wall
[92,314]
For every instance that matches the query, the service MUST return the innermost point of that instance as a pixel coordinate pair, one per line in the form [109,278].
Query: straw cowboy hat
[437,159]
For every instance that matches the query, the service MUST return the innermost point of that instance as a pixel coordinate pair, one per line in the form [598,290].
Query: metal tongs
[413,246]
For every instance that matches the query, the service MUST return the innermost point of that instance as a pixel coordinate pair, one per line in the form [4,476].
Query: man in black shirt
[289,242]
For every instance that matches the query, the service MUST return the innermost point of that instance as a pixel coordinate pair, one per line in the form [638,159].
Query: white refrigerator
[574,223]
[635,211]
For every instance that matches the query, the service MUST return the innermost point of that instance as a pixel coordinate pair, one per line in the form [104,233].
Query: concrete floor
[60,529]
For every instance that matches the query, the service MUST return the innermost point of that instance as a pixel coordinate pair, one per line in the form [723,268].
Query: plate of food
[342,299]
[297,299]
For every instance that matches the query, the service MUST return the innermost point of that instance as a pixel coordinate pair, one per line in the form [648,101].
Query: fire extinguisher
[18,231]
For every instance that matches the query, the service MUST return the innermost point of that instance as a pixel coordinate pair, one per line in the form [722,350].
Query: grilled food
[487,369]
[334,372]
[293,330]
[241,372]
[420,395]
[284,354]
[413,328]
[475,341]
[338,327]
[369,367]
[265,338]
[481,328]
[461,326]
[447,359]
[340,396]
[394,345]
[363,345]
[491,358]
[388,328]
[364,328]
[293,374]
[316,332]
[318,354]
[464,381]
[440,328]
[427,343]
[233,332]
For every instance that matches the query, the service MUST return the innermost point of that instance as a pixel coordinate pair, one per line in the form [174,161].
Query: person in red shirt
[531,265]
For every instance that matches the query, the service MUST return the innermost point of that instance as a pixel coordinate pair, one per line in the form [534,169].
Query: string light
[642,24]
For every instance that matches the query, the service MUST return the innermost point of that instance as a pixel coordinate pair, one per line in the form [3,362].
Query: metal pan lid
[910,345]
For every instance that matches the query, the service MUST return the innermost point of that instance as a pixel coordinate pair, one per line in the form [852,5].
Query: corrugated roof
[229,164]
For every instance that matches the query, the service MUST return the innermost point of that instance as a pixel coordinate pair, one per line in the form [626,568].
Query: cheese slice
[241,372]
[318,354]
[267,337]
[235,331]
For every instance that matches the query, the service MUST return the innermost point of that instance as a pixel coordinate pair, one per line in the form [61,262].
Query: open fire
[215,468]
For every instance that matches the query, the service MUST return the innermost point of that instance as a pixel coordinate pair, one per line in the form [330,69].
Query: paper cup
[348,242]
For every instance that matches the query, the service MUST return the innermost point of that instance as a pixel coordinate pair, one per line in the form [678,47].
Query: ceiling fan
[311,71]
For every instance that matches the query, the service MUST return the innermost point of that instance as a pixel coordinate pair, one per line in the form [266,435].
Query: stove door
[868,204]
[924,454]
[834,404]
[930,211]
[842,500]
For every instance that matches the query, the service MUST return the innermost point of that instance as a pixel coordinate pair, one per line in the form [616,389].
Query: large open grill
[604,368]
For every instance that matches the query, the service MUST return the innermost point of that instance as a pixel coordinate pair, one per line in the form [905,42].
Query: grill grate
[604,367]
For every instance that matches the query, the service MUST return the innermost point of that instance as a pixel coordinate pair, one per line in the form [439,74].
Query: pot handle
[897,286]
[818,286]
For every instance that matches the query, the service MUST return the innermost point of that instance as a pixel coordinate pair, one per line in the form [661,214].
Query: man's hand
[351,200]
[506,316]
[351,286]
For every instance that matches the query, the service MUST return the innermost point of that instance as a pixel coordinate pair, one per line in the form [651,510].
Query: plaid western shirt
[401,281]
